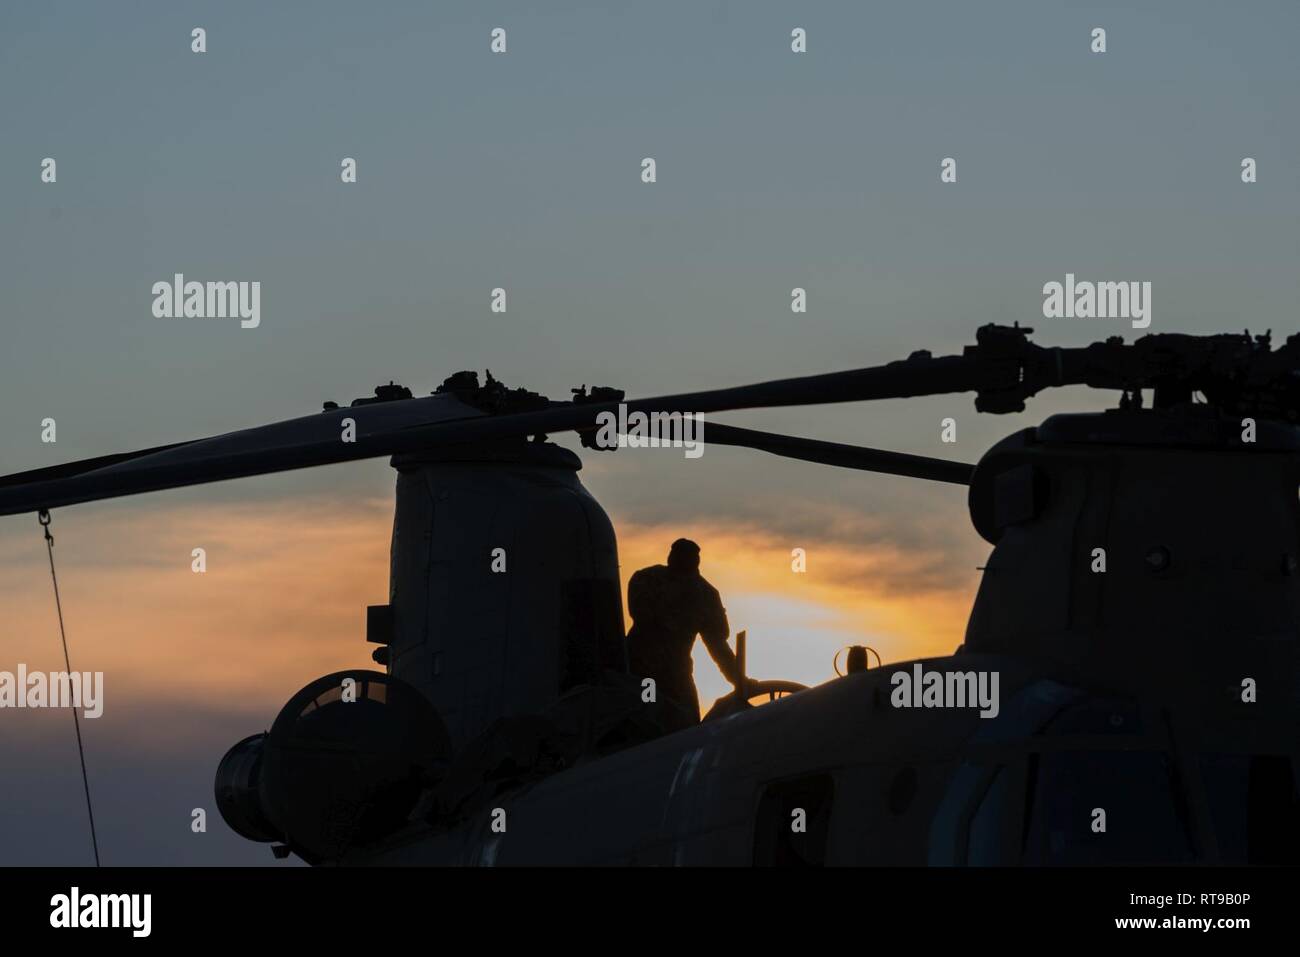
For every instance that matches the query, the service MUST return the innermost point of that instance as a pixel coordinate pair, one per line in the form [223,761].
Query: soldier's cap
[684,546]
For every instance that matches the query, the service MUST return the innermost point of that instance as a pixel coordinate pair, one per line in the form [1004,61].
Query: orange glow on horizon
[284,597]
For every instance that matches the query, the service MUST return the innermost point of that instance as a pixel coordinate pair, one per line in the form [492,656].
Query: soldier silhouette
[671,604]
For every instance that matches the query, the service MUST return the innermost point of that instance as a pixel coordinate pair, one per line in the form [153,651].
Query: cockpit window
[1105,807]
[1094,782]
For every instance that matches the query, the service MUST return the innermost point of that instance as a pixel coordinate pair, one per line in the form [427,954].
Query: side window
[792,826]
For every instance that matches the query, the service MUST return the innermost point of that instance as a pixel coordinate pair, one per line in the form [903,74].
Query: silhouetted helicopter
[1139,611]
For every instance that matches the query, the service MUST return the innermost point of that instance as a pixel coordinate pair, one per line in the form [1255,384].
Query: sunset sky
[522,170]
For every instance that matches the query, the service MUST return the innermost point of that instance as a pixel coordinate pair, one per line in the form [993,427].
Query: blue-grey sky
[522,170]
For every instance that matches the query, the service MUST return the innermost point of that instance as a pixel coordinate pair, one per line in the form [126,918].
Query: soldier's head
[684,556]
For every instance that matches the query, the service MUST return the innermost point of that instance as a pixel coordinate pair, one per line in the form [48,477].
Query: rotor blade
[292,444]
[1003,368]
[837,454]
[919,375]
[412,425]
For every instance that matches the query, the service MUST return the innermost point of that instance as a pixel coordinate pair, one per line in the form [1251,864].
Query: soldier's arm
[714,630]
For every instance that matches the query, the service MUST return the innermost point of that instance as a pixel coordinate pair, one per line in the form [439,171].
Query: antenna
[741,680]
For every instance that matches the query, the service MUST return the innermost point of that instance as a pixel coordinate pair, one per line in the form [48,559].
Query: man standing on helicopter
[671,604]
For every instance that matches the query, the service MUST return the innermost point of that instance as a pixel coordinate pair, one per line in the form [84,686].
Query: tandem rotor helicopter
[1150,702]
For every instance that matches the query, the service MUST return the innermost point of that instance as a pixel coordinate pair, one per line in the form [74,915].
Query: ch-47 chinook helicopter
[1139,608]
